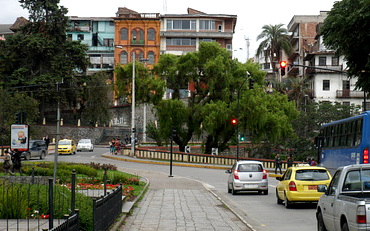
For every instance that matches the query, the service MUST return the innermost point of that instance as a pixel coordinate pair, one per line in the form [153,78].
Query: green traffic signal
[242,138]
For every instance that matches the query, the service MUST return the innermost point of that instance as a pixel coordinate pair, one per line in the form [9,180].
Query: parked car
[299,184]
[247,176]
[66,146]
[37,148]
[345,204]
[85,144]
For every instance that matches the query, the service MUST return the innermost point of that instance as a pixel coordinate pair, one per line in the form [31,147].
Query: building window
[206,25]
[124,34]
[229,47]
[335,61]
[69,37]
[151,34]
[181,25]
[80,37]
[322,61]
[346,103]
[141,55]
[326,85]
[207,40]
[151,57]
[123,57]
[266,66]
[180,41]
[108,42]
[141,37]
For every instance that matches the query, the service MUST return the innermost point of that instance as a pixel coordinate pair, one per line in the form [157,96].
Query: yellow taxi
[299,184]
[66,146]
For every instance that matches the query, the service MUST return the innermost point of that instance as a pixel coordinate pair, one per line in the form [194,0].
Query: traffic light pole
[237,124]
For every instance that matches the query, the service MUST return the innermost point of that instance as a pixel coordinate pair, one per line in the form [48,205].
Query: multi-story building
[98,34]
[303,33]
[182,33]
[327,75]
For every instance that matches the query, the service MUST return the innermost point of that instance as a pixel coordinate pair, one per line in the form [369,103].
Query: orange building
[137,33]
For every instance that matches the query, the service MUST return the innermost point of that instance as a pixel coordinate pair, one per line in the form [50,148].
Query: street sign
[187,149]
[19,137]
[214,151]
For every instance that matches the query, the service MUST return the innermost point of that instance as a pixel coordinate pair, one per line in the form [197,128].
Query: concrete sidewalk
[177,203]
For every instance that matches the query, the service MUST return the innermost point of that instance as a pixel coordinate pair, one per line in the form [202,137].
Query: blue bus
[344,142]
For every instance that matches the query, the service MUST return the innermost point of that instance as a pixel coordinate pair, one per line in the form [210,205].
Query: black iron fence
[35,203]
[107,209]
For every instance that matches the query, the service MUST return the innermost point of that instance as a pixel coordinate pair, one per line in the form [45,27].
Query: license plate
[250,186]
[312,187]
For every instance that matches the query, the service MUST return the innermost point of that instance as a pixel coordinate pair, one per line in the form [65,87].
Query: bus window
[358,132]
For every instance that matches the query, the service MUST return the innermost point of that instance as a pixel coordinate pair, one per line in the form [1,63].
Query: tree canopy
[346,30]
[215,82]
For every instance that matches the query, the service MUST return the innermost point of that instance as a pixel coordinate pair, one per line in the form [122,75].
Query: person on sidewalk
[17,163]
[278,163]
[290,160]
[7,163]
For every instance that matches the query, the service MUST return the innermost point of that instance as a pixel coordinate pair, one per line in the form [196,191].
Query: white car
[85,144]
[247,176]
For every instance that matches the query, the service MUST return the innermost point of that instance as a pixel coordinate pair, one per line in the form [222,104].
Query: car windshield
[84,141]
[64,142]
[250,168]
[312,175]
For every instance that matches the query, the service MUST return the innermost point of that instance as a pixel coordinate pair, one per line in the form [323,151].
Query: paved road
[261,212]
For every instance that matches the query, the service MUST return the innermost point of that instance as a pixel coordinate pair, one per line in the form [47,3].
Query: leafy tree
[10,104]
[95,101]
[346,30]
[216,81]
[39,54]
[275,39]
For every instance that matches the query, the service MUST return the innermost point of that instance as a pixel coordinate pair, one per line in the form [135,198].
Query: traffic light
[283,65]
[242,138]
[251,83]
[133,130]
[173,133]
[18,118]
[234,121]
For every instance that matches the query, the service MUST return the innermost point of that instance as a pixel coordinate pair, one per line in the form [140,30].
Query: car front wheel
[42,155]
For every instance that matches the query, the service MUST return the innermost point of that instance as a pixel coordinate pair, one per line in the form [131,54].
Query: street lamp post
[237,125]
[133,107]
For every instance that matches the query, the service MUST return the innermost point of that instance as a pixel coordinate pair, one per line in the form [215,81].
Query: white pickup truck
[345,204]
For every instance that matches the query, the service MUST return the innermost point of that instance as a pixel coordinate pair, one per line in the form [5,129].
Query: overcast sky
[252,14]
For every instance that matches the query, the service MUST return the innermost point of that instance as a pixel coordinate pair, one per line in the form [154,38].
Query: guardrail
[227,161]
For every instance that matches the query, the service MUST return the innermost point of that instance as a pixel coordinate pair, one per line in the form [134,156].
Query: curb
[120,221]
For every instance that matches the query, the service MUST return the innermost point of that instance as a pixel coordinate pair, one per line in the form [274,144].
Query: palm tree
[275,40]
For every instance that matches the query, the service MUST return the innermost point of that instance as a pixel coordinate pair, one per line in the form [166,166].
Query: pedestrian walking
[47,141]
[290,160]
[111,146]
[278,163]
[117,145]
[17,163]
[313,162]
[7,163]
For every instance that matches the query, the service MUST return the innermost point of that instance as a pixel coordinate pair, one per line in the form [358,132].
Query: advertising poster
[19,137]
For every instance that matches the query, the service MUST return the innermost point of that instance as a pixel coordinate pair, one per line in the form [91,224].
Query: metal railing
[107,209]
[207,159]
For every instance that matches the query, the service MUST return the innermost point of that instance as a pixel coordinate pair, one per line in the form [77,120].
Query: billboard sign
[19,137]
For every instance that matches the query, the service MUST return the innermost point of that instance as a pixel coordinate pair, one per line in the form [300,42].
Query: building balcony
[99,49]
[349,94]
[79,29]
[194,34]
[323,69]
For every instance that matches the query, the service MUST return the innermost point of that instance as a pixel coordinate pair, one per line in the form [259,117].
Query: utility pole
[133,129]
